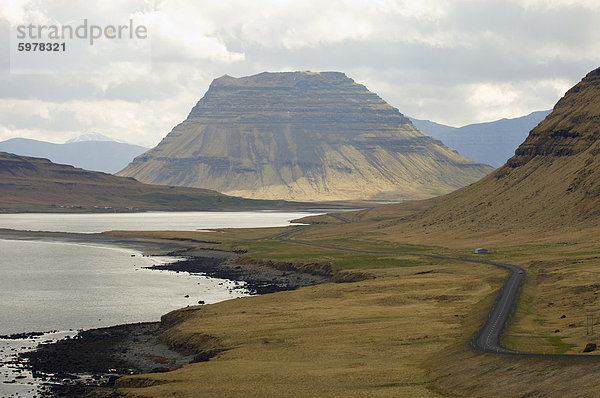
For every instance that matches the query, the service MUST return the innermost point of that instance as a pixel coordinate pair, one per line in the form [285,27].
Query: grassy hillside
[36,185]
[402,329]
[351,340]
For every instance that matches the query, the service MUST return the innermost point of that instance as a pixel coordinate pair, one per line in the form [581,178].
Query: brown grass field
[371,338]
[405,333]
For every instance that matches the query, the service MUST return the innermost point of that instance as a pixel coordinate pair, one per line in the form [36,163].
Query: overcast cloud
[455,62]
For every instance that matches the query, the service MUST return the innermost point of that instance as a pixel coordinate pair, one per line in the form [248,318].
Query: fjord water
[63,286]
[60,286]
[46,286]
[150,221]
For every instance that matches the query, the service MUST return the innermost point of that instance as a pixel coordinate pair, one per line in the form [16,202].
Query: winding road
[487,339]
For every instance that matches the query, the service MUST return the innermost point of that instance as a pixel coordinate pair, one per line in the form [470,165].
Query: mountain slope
[34,184]
[302,136]
[492,143]
[551,186]
[104,156]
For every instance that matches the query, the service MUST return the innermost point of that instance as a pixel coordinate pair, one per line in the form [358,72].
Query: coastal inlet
[58,286]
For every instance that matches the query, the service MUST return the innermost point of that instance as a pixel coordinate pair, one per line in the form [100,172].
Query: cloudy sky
[455,62]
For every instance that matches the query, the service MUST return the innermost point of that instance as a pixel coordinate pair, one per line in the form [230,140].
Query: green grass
[439,191]
[525,304]
[162,198]
[524,254]
[337,254]
[159,197]
[347,252]
[374,262]
[561,347]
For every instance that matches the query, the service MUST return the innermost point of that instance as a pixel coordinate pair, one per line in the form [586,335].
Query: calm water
[60,286]
[52,285]
[151,221]
[48,286]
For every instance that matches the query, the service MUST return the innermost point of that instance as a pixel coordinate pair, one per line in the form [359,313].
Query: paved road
[344,220]
[289,232]
[488,337]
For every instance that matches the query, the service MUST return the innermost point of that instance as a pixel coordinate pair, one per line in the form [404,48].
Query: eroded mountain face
[302,136]
[572,128]
[552,184]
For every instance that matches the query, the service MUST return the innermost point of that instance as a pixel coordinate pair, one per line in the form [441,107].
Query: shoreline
[145,245]
[96,358]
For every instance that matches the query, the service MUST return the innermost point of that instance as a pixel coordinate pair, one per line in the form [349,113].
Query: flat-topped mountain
[33,184]
[302,136]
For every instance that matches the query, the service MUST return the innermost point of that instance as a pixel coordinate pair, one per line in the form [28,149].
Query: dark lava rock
[96,352]
[590,347]
[18,336]
[259,279]
[91,351]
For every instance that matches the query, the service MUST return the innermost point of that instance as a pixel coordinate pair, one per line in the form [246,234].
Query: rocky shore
[257,278]
[94,359]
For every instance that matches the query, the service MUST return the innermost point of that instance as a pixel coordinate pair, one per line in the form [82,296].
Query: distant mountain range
[492,143]
[89,151]
[309,136]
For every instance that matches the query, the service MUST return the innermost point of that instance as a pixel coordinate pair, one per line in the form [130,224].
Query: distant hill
[104,156]
[492,143]
[302,136]
[34,185]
